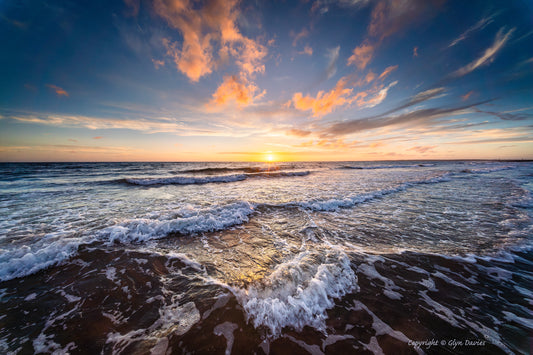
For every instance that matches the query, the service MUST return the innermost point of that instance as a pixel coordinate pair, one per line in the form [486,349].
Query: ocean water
[242,258]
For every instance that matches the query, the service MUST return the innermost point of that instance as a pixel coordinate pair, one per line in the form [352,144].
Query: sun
[269,157]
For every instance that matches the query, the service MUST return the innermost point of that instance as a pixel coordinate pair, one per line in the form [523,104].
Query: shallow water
[268,258]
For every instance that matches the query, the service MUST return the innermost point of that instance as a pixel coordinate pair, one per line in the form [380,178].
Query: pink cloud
[361,55]
[59,91]
[387,71]
[467,95]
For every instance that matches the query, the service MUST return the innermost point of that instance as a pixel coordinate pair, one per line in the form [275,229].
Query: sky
[228,80]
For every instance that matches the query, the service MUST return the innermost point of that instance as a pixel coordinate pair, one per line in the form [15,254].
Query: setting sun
[269,157]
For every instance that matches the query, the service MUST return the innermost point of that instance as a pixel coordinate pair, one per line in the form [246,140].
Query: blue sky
[182,80]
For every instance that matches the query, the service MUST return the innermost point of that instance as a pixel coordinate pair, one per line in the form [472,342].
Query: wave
[223,217]
[374,167]
[25,260]
[205,220]
[487,170]
[347,202]
[298,292]
[188,180]
[249,170]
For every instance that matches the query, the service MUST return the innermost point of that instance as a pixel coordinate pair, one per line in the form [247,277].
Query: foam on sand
[299,291]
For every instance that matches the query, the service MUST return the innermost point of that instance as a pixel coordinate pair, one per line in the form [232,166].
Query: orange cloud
[237,90]
[298,132]
[99,137]
[415,52]
[307,50]
[423,149]
[215,22]
[250,56]
[298,36]
[387,71]
[193,60]
[375,100]
[59,91]
[158,63]
[361,55]
[324,102]
[467,95]
[370,77]
[329,143]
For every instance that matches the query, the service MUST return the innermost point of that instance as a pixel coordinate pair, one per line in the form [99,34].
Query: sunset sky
[224,80]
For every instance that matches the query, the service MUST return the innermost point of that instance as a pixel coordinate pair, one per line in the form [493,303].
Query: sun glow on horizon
[270,157]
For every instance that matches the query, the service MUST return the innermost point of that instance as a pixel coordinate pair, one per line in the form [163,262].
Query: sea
[393,257]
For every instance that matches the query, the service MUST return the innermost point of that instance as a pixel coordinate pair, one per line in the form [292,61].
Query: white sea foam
[185,180]
[298,292]
[204,220]
[390,287]
[347,202]
[226,329]
[379,326]
[173,318]
[198,180]
[375,167]
[26,260]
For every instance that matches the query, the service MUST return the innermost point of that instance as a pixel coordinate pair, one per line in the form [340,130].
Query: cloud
[370,76]
[68,148]
[158,63]
[194,60]
[18,24]
[387,71]
[324,102]
[421,116]
[509,115]
[98,137]
[488,55]
[307,50]
[467,95]
[237,90]
[423,149]
[391,16]
[298,132]
[377,99]
[362,55]
[419,98]
[201,28]
[329,143]
[155,125]
[133,6]
[415,52]
[322,6]
[333,56]
[341,95]
[59,91]
[387,18]
[298,36]
[477,26]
